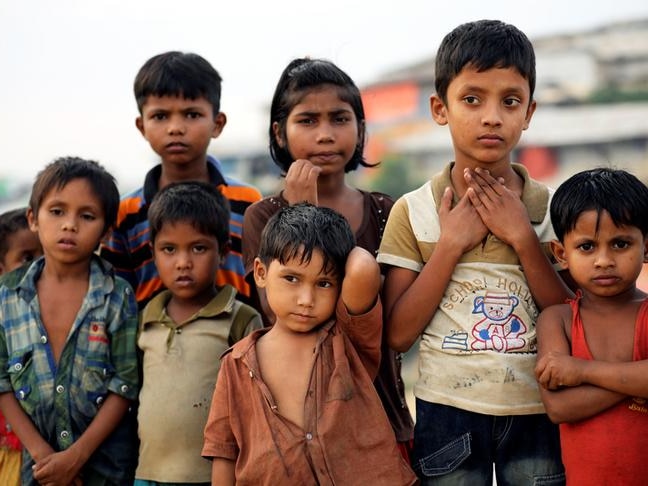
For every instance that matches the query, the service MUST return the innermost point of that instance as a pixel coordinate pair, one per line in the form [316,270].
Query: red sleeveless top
[609,448]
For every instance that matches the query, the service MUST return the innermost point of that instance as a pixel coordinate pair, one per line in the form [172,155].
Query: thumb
[446,200]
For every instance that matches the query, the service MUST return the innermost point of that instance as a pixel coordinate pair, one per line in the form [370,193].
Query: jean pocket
[447,458]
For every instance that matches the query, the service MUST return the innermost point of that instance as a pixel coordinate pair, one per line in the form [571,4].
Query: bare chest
[58,313]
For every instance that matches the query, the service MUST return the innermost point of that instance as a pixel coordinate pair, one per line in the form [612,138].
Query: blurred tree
[394,177]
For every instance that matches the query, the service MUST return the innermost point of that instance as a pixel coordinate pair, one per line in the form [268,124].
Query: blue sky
[68,66]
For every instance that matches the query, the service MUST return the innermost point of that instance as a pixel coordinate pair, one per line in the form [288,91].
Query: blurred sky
[67,66]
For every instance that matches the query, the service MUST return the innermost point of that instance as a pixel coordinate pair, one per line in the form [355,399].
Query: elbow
[556,414]
[399,344]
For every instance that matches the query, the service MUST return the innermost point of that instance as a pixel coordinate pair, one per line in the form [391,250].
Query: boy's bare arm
[411,298]
[361,282]
[62,467]
[223,472]
[572,403]
[24,428]
[629,378]
[503,212]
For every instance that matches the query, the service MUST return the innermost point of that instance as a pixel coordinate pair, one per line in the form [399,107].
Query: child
[178,97]
[294,403]
[593,383]
[18,245]
[317,134]
[183,332]
[68,360]
[469,268]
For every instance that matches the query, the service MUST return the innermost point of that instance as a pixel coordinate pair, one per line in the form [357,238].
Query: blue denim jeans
[456,447]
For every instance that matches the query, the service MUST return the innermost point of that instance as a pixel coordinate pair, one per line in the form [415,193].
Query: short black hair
[182,74]
[300,77]
[618,192]
[198,203]
[483,44]
[11,222]
[297,231]
[63,170]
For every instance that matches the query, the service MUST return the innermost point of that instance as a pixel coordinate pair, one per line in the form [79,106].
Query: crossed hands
[487,206]
[557,370]
[58,469]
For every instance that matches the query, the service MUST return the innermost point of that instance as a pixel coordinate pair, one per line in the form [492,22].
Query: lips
[325,156]
[606,280]
[184,280]
[490,139]
[67,243]
[176,147]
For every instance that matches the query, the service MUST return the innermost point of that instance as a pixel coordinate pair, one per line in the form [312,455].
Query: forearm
[627,378]
[578,403]
[103,424]
[361,283]
[544,282]
[24,428]
[223,472]
[409,313]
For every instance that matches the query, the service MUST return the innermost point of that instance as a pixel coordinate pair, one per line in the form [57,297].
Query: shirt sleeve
[365,332]
[399,245]
[114,249]
[219,439]
[122,324]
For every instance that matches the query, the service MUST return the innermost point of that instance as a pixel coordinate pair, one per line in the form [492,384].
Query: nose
[69,224]
[183,260]
[491,116]
[176,125]
[305,298]
[325,133]
[604,258]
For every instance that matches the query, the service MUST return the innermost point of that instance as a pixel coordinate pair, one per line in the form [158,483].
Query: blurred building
[592,93]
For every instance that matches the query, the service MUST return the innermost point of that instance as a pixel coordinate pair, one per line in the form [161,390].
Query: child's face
[606,262]
[486,113]
[70,222]
[179,129]
[322,129]
[22,246]
[187,260]
[301,295]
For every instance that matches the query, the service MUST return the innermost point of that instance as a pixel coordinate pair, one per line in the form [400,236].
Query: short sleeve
[219,440]
[399,245]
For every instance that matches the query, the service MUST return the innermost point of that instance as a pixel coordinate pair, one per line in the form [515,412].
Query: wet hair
[182,74]
[295,232]
[618,192]
[483,44]
[63,170]
[10,223]
[299,78]
[198,203]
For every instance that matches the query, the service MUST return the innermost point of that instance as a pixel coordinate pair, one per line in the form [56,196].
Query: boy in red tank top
[592,351]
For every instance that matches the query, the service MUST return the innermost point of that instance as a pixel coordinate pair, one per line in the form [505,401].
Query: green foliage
[615,95]
[394,177]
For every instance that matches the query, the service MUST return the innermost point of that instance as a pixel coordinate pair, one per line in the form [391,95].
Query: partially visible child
[317,134]
[68,359]
[593,351]
[469,270]
[295,403]
[183,332]
[18,245]
[178,98]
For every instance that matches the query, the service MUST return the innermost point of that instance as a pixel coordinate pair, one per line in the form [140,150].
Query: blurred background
[68,68]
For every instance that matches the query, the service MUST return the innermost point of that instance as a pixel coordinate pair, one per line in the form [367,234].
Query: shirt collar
[535,196]
[155,310]
[152,179]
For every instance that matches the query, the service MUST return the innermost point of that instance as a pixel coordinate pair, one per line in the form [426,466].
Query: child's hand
[501,209]
[461,226]
[556,370]
[58,469]
[301,182]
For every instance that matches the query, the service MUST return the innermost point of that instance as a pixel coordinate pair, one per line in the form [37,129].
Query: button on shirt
[98,357]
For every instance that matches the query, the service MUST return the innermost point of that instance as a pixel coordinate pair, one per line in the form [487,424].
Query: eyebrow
[336,111]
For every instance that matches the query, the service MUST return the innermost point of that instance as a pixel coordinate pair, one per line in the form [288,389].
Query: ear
[646,249]
[558,250]
[31,220]
[260,273]
[529,114]
[224,249]
[139,123]
[220,120]
[439,110]
[276,129]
